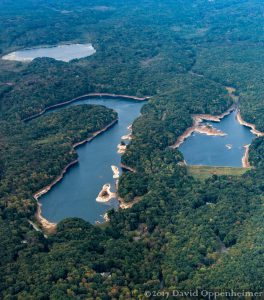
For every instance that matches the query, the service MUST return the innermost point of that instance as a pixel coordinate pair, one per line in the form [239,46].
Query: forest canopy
[184,233]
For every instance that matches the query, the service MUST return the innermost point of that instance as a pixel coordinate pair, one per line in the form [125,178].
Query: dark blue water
[201,149]
[75,194]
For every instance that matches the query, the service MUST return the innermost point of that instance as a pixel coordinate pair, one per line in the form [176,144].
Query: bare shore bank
[115,172]
[245,158]
[92,95]
[197,119]
[105,194]
[47,226]
[250,125]
[197,127]
[121,148]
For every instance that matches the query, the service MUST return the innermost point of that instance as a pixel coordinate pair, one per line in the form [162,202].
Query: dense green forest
[185,233]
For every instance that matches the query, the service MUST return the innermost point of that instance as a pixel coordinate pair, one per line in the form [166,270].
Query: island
[181,208]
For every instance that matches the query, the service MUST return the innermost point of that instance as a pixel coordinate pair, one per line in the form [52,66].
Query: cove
[75,195]
[227,150]
[60,52]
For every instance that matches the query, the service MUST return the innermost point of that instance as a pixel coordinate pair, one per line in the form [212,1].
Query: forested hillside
[184,233]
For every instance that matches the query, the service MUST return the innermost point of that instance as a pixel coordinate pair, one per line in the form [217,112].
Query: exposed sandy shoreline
[95,134]
[115,172]
[47,188]
[121,149]
[13,57]
[46,225]
[196,127]
[50,227]
[197,119]
[245,158]
[127,137]
[217,118]
[235,98]
[252,126]
[105,194]
[83,97]
[209,131]
[106,217]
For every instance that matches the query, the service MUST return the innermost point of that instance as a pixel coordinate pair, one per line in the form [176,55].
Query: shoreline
[250,125]
[95,134]
[115,172]
[45,224]
[213,118]
[50,227]
[121,149]
[245,158]
[197,120]
[209,131]
[105,195]
[128,137]
[231,91]
[82,98]
[13,56]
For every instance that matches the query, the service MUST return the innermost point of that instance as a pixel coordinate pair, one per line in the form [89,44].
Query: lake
[200,149]
[60,52]
[75,194]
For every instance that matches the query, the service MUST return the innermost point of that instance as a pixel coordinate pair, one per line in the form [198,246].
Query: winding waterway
[75,195]
[60,52]
[228,150]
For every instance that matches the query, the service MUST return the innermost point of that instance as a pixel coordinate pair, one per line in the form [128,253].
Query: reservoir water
[75,194]
[200,149]
[60,52]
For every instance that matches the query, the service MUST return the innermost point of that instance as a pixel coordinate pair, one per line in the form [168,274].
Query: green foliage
[184,233]
[205,172]
[257,152]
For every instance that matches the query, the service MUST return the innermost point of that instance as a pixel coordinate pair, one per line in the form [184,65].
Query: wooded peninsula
[184,231]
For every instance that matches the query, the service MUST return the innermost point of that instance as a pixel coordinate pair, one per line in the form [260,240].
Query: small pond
[61,52]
